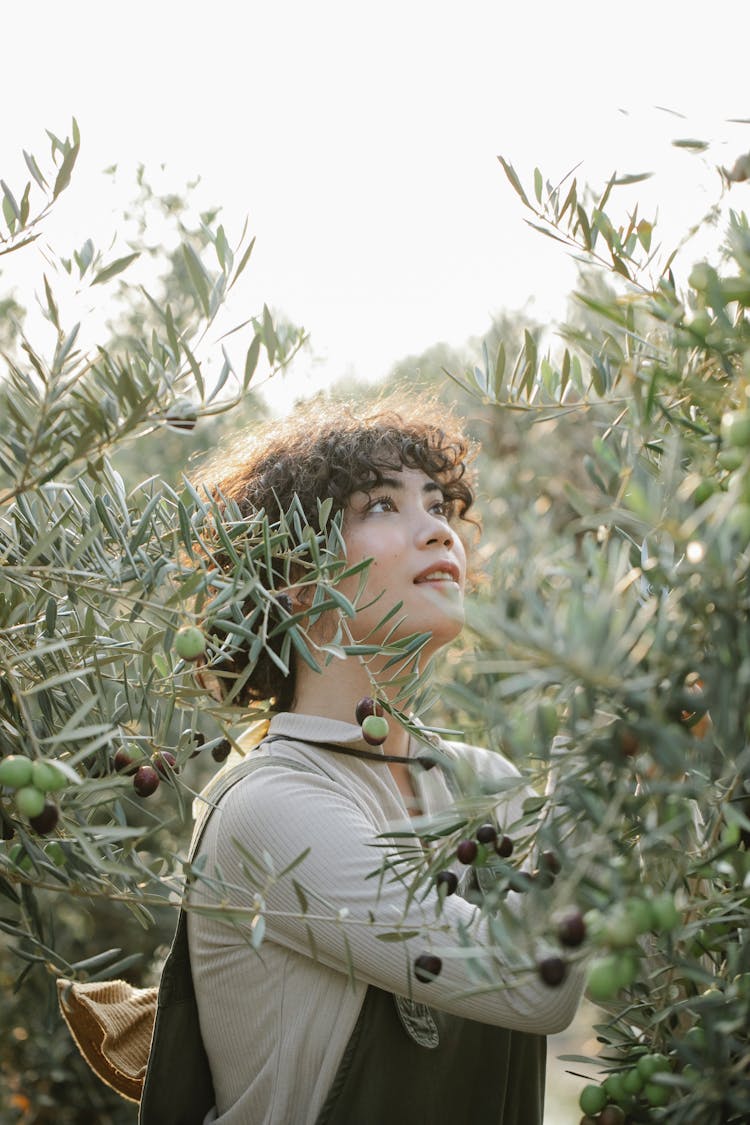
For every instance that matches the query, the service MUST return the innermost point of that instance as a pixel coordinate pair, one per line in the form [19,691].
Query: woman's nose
[435,530]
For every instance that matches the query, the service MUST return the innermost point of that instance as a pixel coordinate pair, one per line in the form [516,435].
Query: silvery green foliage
[620,614]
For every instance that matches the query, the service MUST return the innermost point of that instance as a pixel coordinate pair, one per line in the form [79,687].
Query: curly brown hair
[329,449]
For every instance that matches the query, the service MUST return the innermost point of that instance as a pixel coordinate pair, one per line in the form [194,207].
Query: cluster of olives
[146,775]
[621,1091]
[32,780]
[618,931]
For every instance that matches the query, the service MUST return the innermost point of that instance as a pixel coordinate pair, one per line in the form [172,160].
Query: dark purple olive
[552,970]
[365,707]
[542,878]
[504,847]
[145,781]
[550,861]
[221,752]
[45,821]
[571,929]
[427,966]
[467,851]
[164,762]
[198,739]
[447,882]
[124,762]
[486,834]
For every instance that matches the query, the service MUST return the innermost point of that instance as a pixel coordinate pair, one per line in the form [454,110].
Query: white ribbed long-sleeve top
[276,1021]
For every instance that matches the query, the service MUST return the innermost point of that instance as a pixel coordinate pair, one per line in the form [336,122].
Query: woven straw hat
[112,1024]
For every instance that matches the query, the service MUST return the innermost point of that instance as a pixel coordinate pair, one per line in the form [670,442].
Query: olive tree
[97,709]
[611,638]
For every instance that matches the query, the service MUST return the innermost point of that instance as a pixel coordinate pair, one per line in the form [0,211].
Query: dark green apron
[474,1073]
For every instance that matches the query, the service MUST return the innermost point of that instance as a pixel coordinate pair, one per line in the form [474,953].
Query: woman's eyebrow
[397,484]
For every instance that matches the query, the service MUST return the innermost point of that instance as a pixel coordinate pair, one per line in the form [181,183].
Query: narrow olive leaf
[538,185]
[257,931]
[510,172]
[141,530]
[620,267]
[115,267]
[565,372]
[635,178]
[340,601]
[8,890]
[295,863]
[86,256]
[480,378]
[50,616]
[497,382]
[251,361]
[269,335]
[583,224]
[531,351]
[9,214]
[33,167]
[226,371]
[301,896]
[195,368]
[66,171]
[156,307]
[97,961]
[222,247]
[606,193]
[65,348]
[243,262]
[25,204]
[8,194]
[172,334]
[26,241]
[599,377]
[571,200]
[691,144]
[301,648]
[547,232]
[397,935]
[117,968]
[197,276]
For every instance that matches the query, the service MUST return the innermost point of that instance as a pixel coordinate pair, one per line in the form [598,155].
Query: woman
[331,1019]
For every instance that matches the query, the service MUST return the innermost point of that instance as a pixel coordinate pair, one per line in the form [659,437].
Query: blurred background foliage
[611,610]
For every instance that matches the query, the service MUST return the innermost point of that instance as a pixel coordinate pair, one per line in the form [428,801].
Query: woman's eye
[381,504]
[443,508]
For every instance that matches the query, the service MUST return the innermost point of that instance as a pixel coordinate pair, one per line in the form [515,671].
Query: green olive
[735,428]
[15,771]
[592,1099]
[47,777]
[29,801]
[190,642]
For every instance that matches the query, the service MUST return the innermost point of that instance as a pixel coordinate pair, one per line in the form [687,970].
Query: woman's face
[418,559]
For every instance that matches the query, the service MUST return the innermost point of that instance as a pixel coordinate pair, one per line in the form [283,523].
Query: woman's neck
[335,691]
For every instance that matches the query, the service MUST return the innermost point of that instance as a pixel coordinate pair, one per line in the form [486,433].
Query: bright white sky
[361,140]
